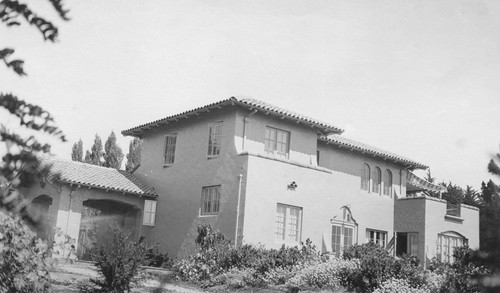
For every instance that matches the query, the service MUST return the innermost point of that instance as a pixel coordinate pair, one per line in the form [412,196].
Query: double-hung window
[288,223]
[214,139]
[169,153]
[149,215]
[210,200]
[377,237]
[277,141]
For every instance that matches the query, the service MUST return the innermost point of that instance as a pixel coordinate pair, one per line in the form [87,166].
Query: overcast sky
[418,78]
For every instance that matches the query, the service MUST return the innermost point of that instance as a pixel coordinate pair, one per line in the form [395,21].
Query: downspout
[245,121]
[240,177]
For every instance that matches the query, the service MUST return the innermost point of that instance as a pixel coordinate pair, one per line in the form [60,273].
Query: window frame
[215,140]
[365,178]
[214,200]
[376,238]
[285,229]
[387,181]
[445,253]
[271,143]
[166,149]
[347,223]
[149,212]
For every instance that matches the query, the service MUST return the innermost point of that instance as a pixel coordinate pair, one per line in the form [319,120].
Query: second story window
[365,178]
[277,141]
[376,177]
[169,154]
[214,139]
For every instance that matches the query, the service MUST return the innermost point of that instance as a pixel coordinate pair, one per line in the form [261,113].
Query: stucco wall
[321,196]
[426,216]
[179,186]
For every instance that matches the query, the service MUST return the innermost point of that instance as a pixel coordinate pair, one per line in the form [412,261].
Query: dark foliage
[119,263]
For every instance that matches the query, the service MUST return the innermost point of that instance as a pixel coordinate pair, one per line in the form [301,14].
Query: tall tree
[113,156]
[77,151]
[88,158]
[134,154]
[96,152]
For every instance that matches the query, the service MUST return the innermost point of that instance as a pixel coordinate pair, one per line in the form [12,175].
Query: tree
[19,164]
[134,154]
[96,152]
[77,151]
[88,158]
[472,197]
[114,156]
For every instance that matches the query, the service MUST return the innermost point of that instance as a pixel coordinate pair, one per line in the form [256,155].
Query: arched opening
[97,217]
[39,210]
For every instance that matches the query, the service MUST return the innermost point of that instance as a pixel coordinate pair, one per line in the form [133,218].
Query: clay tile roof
[95,176]
[364,148]
[251,104]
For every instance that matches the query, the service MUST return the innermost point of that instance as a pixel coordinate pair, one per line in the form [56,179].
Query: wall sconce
[292,185]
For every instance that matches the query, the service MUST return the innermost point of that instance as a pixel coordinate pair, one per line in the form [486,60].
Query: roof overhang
[250,104]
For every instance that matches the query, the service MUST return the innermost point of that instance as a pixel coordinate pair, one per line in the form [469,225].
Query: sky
[419,78]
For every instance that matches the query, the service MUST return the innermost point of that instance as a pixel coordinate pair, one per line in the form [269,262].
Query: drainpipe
[245,121]
[240,177]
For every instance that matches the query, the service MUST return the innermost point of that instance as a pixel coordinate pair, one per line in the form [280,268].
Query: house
[266,175]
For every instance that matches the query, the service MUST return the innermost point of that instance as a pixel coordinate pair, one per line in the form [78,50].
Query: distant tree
[87,158]
[77,151]
[96,152]
[134,154]
[113,156]
[472,197]
[453,194]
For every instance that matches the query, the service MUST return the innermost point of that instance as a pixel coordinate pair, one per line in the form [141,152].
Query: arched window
[344,231]
[376,177]
[387,182]
[446,244]
[365,178]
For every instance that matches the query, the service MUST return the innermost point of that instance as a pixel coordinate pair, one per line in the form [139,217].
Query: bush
[119,263]
[217,256]
[394,285]
[157,259]
[331,274]
[376,266]
[23,265]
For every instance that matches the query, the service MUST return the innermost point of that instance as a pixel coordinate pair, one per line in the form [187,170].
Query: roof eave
[71,183]
[137,131]
[407,164]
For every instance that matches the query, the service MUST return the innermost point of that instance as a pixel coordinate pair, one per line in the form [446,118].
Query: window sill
[212,157]
[149,225]
[207,215]
[453,218]
[167,165]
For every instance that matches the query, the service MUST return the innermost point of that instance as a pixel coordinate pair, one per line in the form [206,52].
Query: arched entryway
[97,217]
[39,210]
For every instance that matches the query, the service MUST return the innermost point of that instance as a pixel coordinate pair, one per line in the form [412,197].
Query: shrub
[376,266]
[119,263]
[217,256]
[23,265]
[394,285]
[331,274]
[157,259]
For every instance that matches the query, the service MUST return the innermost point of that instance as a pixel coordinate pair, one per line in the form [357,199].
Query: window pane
[365,179]
[280,222]
[214,139]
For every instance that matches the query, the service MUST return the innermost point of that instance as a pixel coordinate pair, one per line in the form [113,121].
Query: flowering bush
[23,265]
[394,285]
[331,274]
